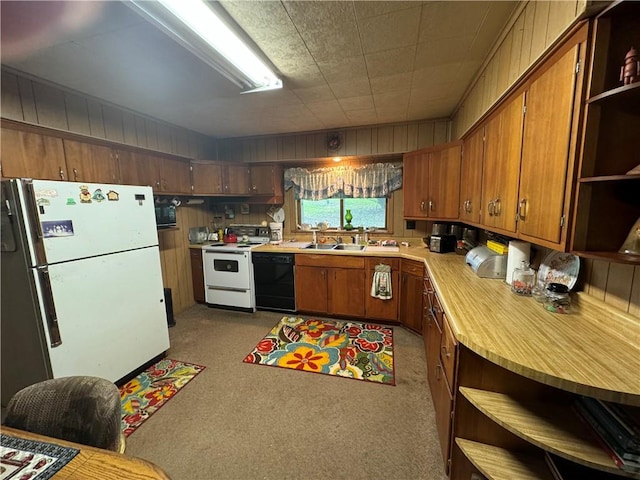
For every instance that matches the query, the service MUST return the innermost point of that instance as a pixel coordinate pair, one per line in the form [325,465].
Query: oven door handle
[227,289]
[226,252]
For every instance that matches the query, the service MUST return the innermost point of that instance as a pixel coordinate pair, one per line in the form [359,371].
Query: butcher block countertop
[594,350]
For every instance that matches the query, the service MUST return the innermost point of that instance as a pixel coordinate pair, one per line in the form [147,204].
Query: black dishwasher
[274,281]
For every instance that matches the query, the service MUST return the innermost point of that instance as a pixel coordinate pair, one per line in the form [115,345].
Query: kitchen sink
[320,246]
[349,246]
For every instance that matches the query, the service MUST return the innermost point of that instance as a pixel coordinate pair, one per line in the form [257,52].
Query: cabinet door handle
[438,368]
[61,173]
[75,175]
[522,209]
[497,207]
[157,183]
[445,351]
[422,206]
[490,208]
[430,205]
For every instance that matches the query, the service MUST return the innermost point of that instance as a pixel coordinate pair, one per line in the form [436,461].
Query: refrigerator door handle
[49,306]
[34,224]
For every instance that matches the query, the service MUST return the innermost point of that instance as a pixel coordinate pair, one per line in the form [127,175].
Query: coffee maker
[276,233]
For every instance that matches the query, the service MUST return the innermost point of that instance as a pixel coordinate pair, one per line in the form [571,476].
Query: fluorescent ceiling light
[199,29]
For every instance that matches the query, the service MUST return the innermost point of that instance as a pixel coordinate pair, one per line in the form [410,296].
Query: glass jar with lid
[523,280]
[557,298]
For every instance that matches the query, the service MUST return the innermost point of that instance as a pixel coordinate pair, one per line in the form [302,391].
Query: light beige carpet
[239,421]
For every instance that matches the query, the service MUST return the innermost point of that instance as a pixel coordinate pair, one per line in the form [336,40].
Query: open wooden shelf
[498,463]
[552,427]
[625,93]
[609,256]
[610,178]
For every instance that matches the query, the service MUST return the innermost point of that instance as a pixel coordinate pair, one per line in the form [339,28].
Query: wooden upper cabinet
[471,177]
[165,175]
[415,181]
[215,178]
[31,155]
[266,179]
[207,178]
[137,168]
[175,175]
[501,171]
[88,162]
[235,179]
[444,183]
[546,151]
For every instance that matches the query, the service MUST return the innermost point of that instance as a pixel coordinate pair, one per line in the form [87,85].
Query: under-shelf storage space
[501,463]
[553,427]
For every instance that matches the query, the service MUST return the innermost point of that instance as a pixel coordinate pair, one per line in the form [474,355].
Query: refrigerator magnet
[85,194]
[113,196]
[57,228]
[98,196]
[71,201]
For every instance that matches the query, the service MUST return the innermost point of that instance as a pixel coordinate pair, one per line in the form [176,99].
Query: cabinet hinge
[578,66]
[562,221]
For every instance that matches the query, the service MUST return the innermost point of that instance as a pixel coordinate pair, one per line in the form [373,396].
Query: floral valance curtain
[375,180]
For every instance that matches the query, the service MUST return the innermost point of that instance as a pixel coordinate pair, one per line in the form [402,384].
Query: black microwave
[165,216]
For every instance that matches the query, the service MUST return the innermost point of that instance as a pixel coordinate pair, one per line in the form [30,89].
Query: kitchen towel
[518,252]
[381,284]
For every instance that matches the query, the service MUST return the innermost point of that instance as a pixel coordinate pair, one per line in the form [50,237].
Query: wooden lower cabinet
[197,274]
[411,289]
[331,285]
[442,353]
[311,289]
[377,308]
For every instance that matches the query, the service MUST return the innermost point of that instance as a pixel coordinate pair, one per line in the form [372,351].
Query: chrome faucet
[336,239]
[315,237]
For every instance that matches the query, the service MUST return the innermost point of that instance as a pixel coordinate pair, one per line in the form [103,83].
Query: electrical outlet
[411,225]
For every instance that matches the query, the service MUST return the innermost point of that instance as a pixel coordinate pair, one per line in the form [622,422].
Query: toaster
[442,243]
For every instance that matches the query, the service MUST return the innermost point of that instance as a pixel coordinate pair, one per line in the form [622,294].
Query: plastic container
[557,298]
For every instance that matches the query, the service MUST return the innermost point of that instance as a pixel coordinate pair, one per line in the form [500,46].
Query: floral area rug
[362,351]
[145,394]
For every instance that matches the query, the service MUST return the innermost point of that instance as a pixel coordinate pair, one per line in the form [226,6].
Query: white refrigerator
[82,290]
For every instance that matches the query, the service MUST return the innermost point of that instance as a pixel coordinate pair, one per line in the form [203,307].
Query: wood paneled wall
[38,103]
[616,284]
[533,29]
[367,141]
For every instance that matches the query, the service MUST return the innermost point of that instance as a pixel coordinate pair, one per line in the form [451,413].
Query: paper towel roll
[518,252]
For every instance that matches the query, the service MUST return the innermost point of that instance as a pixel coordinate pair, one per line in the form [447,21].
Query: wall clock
[334,141]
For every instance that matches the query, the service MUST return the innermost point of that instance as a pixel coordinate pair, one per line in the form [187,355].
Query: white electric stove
[228,271]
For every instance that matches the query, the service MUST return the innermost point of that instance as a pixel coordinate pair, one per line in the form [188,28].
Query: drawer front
[329,260]
[372,262]
[195,253]
[448,351]
[412,267]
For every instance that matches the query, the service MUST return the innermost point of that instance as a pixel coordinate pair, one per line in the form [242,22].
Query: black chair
[78,409]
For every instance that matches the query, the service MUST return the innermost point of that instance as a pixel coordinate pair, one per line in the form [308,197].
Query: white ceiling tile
[391,83]
[356,103]
[397,60]
[371,8]
[393,30]
[314,94]
[355,87]
[339,68]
